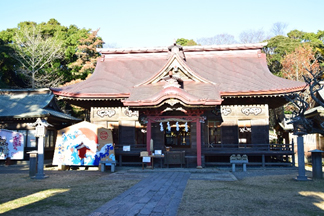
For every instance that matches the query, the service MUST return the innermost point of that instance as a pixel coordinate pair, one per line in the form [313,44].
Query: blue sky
[147,23]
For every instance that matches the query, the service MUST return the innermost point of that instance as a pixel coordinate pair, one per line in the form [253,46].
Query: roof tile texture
[230,72]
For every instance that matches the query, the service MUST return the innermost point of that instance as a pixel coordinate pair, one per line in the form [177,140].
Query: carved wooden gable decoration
[171,85]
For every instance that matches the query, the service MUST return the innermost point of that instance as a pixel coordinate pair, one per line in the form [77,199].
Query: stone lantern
[300,131]
[40,127]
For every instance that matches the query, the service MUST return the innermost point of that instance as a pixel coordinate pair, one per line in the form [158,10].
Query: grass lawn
[81,192]
[262,195]
[63,193]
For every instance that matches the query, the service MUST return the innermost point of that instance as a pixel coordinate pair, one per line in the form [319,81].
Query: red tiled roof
[240,73]
[231,70]
[114,77]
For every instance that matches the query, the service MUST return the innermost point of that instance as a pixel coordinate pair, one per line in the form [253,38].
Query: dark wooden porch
[258,154]
[219,154]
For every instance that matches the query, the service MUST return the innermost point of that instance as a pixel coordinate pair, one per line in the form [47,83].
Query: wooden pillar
[198,137]
[148,135]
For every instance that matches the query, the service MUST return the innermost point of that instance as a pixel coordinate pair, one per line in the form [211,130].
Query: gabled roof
[204,75]
[30,103]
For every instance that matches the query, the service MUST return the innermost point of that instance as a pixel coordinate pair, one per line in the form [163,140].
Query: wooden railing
[249,147]
[271,154]
[211,150]
[219,146]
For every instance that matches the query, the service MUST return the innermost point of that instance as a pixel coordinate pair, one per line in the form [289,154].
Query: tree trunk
[33,79]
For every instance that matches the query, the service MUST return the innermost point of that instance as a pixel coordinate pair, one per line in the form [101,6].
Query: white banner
[11,145]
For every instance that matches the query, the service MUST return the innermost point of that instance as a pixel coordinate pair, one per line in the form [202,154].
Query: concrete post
[32,163]
[317,163]
[40,162]
[301,161]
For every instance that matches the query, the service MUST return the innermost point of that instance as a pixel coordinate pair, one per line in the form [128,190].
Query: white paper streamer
[177,126]
[169,127]
[161,127]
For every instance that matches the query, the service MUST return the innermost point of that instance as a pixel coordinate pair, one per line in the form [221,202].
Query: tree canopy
[186,42]
[87,54]
[295,65]
[280,46]
[78,50]
[7,67]
[72,41]
[34,52]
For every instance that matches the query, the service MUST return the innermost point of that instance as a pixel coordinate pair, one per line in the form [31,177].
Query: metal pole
[293,151]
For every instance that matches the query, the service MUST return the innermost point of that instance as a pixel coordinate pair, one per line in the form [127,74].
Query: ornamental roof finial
[177,49]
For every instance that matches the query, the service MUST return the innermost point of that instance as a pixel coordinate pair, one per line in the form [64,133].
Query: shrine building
[200,104]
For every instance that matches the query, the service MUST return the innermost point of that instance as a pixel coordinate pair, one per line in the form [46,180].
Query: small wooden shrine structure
[19,107]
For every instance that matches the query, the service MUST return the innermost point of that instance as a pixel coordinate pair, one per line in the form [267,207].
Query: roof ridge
[185,48]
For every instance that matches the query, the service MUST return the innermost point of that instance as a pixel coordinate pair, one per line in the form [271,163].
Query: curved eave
[91,95]
[90,99]
[263,93]
[173,93]
[30,115]
[43,114]
[15,117]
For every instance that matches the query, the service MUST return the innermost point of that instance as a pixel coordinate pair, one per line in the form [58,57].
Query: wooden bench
[112,165]
[237,159]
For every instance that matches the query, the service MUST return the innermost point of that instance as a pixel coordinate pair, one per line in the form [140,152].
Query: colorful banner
[83,144]
[11,145]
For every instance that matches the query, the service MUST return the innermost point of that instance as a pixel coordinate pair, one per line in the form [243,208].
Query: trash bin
[32,163]
[317,163]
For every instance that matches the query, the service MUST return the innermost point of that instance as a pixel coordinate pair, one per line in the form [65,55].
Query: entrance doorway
[177,134]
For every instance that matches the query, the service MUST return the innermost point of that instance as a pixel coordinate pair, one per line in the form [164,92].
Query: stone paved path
[159,193]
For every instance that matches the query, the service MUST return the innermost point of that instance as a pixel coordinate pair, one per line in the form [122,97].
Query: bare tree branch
[279,28]
[35,52]
[219,39]
[253,36]
[314,84]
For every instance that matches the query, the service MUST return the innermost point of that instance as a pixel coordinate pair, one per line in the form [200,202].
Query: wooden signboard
[83,144]
[104,138]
